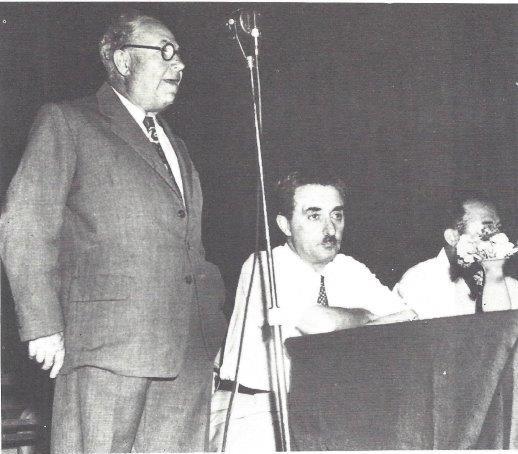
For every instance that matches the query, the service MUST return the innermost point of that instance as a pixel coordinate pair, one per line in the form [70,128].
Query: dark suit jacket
[96,241]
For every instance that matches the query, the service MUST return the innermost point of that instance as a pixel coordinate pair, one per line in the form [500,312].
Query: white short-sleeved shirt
[349,284]
[428,289]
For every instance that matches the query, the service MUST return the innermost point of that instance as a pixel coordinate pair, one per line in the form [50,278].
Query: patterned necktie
[149,123]
[322,297]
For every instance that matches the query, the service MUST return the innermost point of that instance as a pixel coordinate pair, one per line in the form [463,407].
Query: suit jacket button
[181,214]
[188,279]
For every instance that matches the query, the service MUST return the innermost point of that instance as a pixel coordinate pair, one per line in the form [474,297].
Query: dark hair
[456,208]
[287,185]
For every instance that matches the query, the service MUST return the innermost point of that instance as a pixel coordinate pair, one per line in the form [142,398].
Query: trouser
[98,411]
[253,426]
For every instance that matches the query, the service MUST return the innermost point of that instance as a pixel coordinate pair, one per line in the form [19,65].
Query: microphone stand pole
[274,318]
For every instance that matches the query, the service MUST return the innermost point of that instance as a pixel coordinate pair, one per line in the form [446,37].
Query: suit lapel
[124,125]
[183,159]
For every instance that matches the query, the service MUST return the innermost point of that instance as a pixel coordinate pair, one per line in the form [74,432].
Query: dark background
[409,102]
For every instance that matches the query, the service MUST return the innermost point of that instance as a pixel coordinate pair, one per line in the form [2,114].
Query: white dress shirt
[348,283]
[428,289]
[139,114]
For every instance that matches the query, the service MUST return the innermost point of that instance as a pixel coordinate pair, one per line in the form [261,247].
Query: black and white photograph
[258,227]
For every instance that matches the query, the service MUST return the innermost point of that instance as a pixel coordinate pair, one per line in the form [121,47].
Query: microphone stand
[274,317]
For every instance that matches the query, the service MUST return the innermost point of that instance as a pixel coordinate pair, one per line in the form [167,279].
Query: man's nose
[177,63]
[329,227]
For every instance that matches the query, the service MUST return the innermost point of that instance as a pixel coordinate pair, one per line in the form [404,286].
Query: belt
[229,385]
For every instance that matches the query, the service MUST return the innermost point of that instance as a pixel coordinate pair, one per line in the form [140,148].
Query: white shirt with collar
[348,283]
[139,114]
[428,289]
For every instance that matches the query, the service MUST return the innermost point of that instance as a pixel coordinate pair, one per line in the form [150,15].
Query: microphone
[244,20]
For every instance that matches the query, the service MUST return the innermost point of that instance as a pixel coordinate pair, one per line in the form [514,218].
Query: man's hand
[49,350]
[493,269]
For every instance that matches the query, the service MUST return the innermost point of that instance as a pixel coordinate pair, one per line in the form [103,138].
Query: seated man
[441,287]
[318,290]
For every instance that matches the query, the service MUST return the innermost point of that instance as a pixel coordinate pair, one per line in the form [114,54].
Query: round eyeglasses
[168,50]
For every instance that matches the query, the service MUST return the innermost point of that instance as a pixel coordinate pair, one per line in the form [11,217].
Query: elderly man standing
[318,289]
[441,287]
[101,239]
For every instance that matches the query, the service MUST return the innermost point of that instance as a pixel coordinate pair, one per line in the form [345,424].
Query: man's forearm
[403,316]
[326,319]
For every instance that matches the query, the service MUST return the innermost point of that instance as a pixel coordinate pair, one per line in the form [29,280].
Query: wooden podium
[432,384]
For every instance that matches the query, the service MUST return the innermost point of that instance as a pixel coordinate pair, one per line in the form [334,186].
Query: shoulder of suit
[84,102]
[69,108]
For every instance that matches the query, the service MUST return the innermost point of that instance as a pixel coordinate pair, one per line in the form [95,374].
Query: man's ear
[283,224]
[122,62]
[451,236]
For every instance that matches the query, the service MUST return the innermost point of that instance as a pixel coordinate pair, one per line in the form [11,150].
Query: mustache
[330,239]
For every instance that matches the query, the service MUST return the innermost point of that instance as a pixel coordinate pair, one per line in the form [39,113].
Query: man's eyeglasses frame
[168,50]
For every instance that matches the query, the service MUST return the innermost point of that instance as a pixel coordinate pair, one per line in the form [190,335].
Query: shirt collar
[138,113]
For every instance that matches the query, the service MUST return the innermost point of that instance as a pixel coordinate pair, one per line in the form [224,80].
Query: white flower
[502,246]
[485,250]
[499,238]
[471,249]
[466,250]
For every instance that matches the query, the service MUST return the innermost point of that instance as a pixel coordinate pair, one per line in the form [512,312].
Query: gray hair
[118,33]
[456,208]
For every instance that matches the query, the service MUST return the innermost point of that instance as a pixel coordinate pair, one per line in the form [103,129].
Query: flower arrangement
[490,244]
